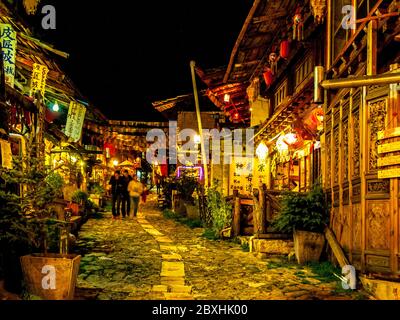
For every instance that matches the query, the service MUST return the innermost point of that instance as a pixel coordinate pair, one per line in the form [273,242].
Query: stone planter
[51,276]
[381,289]
[308,246]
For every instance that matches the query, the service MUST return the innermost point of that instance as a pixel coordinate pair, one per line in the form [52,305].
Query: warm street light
[197,139]
[227,98]
[74,159]
[115,163]
[56,107]
[262,151]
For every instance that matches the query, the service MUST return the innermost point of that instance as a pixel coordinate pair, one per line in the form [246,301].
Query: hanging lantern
[227,98]
[268,76]
[284,49]
[319,10]
[31,6]
[282,147]
[262,151]
[290,139]
[298,26]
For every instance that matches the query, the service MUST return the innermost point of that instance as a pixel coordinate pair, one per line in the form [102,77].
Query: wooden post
[257,213]
[263,218]
[236,218]
[336,248]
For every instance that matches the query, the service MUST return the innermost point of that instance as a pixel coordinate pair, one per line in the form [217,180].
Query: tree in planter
[24,198]
[220,210]
[305,215]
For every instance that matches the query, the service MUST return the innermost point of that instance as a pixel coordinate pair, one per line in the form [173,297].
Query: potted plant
[97,192]
[186,187]
[306,216]
[28,220]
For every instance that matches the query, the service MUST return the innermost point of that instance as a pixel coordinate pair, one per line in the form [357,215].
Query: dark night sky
[124,55]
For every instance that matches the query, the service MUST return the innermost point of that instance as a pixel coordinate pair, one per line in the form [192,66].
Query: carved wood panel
[345,130]
[356,145]
[376,123]
[356,238]
[345,225]
[378,225]
[336,157]
[328,160]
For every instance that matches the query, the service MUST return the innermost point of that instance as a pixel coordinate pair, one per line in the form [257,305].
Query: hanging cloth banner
[39,77]
[6,154]
[8,40]
[75,119]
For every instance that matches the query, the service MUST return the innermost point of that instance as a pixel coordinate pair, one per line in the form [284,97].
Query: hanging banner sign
[8,40]
[75,119]
[389,133]
[39,77]
[6,154]
[241,175]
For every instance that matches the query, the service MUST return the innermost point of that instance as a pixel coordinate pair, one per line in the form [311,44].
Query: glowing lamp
[227,98]
[74,159]
[262,151]
[290,139]
[56,107]
[281,145]
[115,163]
[284,49]
[197,139]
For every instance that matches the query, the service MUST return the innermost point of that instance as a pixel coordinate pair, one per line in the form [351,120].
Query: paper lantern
[262,151]
[284,49]
[268,77]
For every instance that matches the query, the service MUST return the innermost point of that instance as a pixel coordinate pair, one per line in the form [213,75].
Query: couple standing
[126,192]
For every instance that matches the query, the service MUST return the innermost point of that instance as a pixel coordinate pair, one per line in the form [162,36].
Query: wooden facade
[364,207]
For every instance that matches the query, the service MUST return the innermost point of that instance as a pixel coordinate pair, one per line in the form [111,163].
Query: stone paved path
[151,257]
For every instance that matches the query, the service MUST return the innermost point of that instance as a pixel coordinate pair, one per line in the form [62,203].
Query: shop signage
[75,119]
[389,147]
[389,161]
[8,41]
[38,80]
[389,173]
[6,154]
[389,133]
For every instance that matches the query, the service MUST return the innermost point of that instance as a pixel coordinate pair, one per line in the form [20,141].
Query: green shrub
[80,197]
[306,212]
[220,210]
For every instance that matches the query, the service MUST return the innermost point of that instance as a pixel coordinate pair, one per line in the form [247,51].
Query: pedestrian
[116,183]
[144,193]
[135,189]
[158,183]
[126,201]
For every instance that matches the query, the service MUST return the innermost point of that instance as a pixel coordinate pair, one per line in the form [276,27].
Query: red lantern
[50,115]
[284,50]
[268,77]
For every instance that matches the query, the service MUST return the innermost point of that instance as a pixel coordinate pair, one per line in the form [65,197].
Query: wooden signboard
[389,173]
[389,133]
[389,147]
[389,161]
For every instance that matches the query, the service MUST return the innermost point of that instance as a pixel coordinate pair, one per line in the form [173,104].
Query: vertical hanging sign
[75,119]
[8,41]
[39,77]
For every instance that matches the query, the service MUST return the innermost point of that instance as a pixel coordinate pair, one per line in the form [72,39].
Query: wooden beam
[240,38]
[44,46]
[278,15]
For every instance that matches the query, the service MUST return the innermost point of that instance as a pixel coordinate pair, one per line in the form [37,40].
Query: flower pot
[308,246]
[51,276]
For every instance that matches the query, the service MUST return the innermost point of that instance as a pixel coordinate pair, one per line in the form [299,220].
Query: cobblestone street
[155,258]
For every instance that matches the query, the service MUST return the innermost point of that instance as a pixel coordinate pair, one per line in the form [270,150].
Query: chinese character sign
[8,41]
[241,175]
[75,119]
[39,77]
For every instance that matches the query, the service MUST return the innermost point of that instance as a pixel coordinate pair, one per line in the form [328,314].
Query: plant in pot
[97,192]
[27,222]
[186,186]
[305,215]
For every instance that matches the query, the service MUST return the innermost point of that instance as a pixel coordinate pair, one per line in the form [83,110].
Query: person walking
[117,185]
[126,201]
[135,189]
